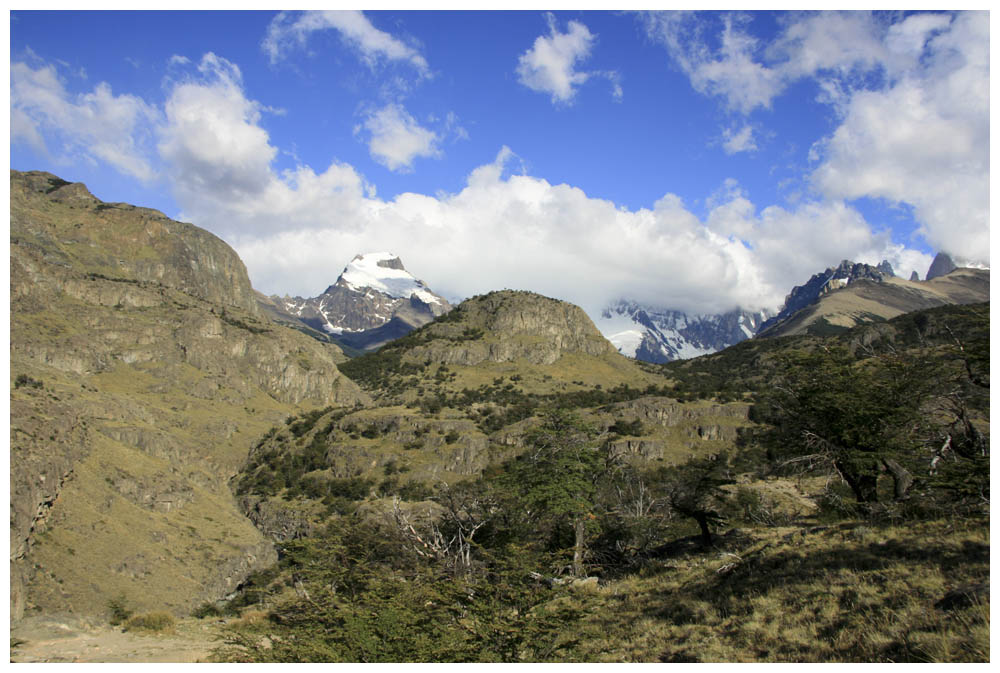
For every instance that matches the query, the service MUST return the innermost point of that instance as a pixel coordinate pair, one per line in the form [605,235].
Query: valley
[233,477]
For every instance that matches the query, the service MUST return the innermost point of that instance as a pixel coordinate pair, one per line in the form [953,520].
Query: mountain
[374,300]
[853,293]
[941,265]
[141,369]
[550,345]
[654,335]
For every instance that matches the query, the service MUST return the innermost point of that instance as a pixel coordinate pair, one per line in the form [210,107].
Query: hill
[141,369]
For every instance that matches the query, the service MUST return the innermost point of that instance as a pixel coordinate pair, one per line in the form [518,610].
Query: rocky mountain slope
[656,335]
[141,370]
[852,294]
[374,300]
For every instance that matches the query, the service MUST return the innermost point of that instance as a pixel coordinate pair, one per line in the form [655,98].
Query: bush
[151,621]
[206,609]
[119,610]
[25,380]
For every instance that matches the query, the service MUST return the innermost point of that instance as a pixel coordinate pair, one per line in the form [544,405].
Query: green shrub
[206,609]
[25,380]
[120,611]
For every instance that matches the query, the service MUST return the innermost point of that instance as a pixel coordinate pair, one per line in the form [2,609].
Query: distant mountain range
[831,301]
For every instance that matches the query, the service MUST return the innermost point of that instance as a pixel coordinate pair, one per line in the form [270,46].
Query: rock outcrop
[941,265]
[509,325]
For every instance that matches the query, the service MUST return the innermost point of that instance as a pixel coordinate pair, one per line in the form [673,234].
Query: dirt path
[72,640]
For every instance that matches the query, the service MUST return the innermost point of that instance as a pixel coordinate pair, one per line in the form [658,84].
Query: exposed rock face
[143,372]
[125,242]
[374,300]
[941,265]
[821,284]
[655,335]
[510,325]
[865,300]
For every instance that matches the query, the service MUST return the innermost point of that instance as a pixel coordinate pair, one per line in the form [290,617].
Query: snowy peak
[384,272]
[375,299]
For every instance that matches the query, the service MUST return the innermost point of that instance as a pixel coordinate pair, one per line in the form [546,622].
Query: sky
[696,161]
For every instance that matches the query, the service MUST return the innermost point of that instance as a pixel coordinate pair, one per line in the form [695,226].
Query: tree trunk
[578,548]
[706,534]
[902,480]
[864,485]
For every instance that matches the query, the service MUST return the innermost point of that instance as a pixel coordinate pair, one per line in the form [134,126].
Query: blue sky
[697,161]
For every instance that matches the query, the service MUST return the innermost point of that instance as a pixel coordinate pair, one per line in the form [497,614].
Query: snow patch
[364,272]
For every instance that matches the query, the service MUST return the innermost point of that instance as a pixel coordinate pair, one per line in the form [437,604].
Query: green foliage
[120,610]
[853,415]
[362,596]
[629,428]
[206,609]
[694,490]
[23,380]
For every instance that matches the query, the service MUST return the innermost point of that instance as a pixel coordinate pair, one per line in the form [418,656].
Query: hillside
[141,370]
[867,300]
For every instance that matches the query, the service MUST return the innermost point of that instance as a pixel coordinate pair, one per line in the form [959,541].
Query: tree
[694,489]
[859,416]
[552,484]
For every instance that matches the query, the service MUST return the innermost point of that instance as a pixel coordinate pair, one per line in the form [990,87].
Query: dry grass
[835,594]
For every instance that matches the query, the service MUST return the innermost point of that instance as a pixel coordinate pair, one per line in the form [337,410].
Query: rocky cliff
[141,373]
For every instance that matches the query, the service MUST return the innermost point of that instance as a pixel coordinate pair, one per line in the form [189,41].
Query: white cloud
[748,74]
[734,141]
[925,139]
[912,99]
[549,66]
[396,139]
[95,126]
[296,229]
[354,27]
[211,140]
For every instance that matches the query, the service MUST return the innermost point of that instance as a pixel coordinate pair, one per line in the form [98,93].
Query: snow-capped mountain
[657,335]
[374,300]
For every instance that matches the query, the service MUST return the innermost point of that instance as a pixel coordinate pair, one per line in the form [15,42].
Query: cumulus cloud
[373,45]
[295,229]
[910,96]
[95,126]
[925,139]
[395,138]
[549,66]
